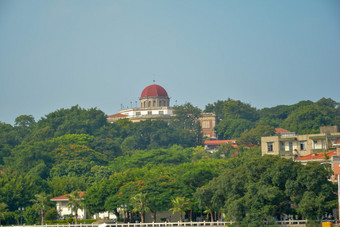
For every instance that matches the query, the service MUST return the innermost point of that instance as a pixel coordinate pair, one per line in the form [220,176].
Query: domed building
[154,104]
[154,96]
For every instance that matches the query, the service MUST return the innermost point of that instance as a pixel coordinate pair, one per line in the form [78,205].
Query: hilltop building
[154,104]
[289,145]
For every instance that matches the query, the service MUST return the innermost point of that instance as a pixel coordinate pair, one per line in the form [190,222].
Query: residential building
[289,145]
[63,210]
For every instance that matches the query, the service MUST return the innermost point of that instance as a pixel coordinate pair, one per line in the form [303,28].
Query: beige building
[289,145]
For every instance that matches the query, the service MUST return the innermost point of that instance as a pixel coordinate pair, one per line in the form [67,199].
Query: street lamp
[21,209]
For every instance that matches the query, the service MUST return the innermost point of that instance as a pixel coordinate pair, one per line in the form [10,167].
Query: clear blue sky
[55,54]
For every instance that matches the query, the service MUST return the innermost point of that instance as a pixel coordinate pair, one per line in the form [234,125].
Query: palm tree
[3,211]
[209,211]
[180,204]
[75,202]
[139,203]
[40,203]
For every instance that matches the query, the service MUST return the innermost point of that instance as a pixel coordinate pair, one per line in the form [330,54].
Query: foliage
[232,128]
[152,157]
[40,203]
[308,119]
[253,136]
[75,202]
[16,190]
[262,187]
[180,204]
[30,215]
[75,149]
[3,211]
[140,204]
[232,109]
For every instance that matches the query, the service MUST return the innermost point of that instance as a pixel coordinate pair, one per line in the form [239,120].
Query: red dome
[154,91]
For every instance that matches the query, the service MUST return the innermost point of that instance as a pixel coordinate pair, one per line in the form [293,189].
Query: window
[283,146]
[290,146]
[137,113]
[205,124]
[149,112]
[302,145]
[161,112]
[270,146]
[315,144]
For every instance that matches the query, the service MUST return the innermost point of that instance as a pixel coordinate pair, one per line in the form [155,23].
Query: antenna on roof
[154,81]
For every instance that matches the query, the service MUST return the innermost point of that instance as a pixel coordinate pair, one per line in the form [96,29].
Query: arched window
[149,104]
[154,103]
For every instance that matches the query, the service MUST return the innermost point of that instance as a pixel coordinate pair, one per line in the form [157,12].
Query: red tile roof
[219,142]
[336,168]
[281,130]
[117,115]
[314,156]
[64,197]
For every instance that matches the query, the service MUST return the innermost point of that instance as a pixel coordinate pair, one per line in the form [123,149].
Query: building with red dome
[154,96]
[154,104]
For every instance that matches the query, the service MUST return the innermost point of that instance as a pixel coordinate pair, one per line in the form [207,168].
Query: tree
[140,204]
[41,204]
[232,128]
[74,120]
[75,202]
[180,204]
[255,188]
[24,125]
[17,189]
[187,117]
[308,119]
[3,211]
[30,215]
[233,109]
[253,136]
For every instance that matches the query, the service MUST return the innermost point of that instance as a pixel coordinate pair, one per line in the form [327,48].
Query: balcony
[319,150]
[286,153]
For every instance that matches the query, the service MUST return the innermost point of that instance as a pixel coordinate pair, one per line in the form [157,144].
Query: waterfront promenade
[287,223]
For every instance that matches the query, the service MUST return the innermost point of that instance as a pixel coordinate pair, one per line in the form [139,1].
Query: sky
[102,54]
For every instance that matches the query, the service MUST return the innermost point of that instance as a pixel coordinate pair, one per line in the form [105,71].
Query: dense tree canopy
[76,149]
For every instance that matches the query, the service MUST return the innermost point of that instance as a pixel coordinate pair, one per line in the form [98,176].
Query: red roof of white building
[65,198]
[117,115]
[219,142]
[281,130]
